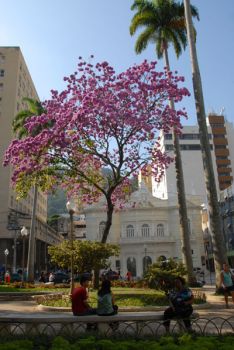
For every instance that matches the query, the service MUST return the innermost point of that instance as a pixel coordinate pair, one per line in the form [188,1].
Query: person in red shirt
[79,297]
[129,276]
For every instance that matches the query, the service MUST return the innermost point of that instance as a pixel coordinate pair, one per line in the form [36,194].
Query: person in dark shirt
[42,278]
[180,299]
[79,298]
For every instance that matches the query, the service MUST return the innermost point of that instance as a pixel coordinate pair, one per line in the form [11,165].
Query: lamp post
[145,257]
[6,252]
[24,233]
[71,210]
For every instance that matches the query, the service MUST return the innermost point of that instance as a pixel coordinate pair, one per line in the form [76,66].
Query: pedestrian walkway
[216,307]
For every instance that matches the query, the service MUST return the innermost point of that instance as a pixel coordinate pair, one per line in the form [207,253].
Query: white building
[146,231]
[192,166]
[221,135]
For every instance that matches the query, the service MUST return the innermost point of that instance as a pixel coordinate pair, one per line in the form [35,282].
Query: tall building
[221,136]
[222,133]
[15,84]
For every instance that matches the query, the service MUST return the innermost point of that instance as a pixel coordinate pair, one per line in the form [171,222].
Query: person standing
[42,278]
[227,279]
[129,276]
[7,277]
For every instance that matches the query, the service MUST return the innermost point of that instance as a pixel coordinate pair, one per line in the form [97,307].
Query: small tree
[88,255]
[101,120]
[161,275]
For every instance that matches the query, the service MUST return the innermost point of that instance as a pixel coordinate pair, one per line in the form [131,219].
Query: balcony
[150,239]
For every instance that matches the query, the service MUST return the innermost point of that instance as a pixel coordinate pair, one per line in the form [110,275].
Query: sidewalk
[216,307]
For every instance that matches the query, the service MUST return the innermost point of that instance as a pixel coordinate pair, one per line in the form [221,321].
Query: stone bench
[127,323]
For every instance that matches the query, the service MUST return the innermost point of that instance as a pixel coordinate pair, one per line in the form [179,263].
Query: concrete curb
[45,308]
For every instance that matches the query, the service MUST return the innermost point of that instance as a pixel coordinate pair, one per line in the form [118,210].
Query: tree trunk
[184,225]
[219,250]
[31,244]
[96,279]
[109,214]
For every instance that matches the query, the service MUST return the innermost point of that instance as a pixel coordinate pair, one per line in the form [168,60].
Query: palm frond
[142,19]
[168,20]
[144,39]
[34,108]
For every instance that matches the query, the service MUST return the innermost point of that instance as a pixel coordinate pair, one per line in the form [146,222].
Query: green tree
[88,255]
[215,220]
[164,23]
[18,126]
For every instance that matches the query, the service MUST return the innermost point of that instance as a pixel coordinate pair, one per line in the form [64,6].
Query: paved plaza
[215,307]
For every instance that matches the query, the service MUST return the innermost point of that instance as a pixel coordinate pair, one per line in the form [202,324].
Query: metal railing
[136,329]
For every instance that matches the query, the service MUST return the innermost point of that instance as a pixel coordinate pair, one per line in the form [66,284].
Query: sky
[52,34]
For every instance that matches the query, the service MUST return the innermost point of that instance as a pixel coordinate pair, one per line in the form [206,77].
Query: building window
[1,86]
[160,230]
[169,147]
[168,136]
[130,231]
[102,226]
[220,146]
[2,72]
[131,265]
[2,58]
[147,261]
[221,157]
[219,136]
[189,226]
[145,230]
[217,125]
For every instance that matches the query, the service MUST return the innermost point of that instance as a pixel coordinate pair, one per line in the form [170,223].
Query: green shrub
[17,345]
[161,275]
[59,343]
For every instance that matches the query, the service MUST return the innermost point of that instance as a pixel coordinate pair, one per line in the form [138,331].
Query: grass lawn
[124,297]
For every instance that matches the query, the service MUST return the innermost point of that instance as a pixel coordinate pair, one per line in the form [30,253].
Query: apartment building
[222,133]
[15,84]
[221,136]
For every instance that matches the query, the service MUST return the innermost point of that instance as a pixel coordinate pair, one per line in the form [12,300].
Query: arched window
[101,229]
[146,262]
[145,230]
[189,226]
[160,230]
[130,231]
[131,266]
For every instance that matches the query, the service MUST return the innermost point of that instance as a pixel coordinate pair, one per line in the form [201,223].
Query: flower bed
[130,298]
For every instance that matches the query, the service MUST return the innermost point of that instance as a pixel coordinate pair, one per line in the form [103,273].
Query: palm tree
[34,108]
[215,220]
[164,24]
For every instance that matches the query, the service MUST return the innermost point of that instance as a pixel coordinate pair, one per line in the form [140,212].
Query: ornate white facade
[147,229]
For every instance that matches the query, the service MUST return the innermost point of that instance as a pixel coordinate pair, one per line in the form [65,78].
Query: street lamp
[145,257]
[6,252]
[24,233]
[71,210]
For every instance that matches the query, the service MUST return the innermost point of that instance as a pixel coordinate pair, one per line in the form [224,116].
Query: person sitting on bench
[106,305]
[79,297]
[180,299]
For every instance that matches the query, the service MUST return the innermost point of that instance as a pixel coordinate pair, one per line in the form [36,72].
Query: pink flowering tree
[102,120]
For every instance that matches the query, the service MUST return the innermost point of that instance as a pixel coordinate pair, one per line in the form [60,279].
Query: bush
[184,342]
[161,275]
